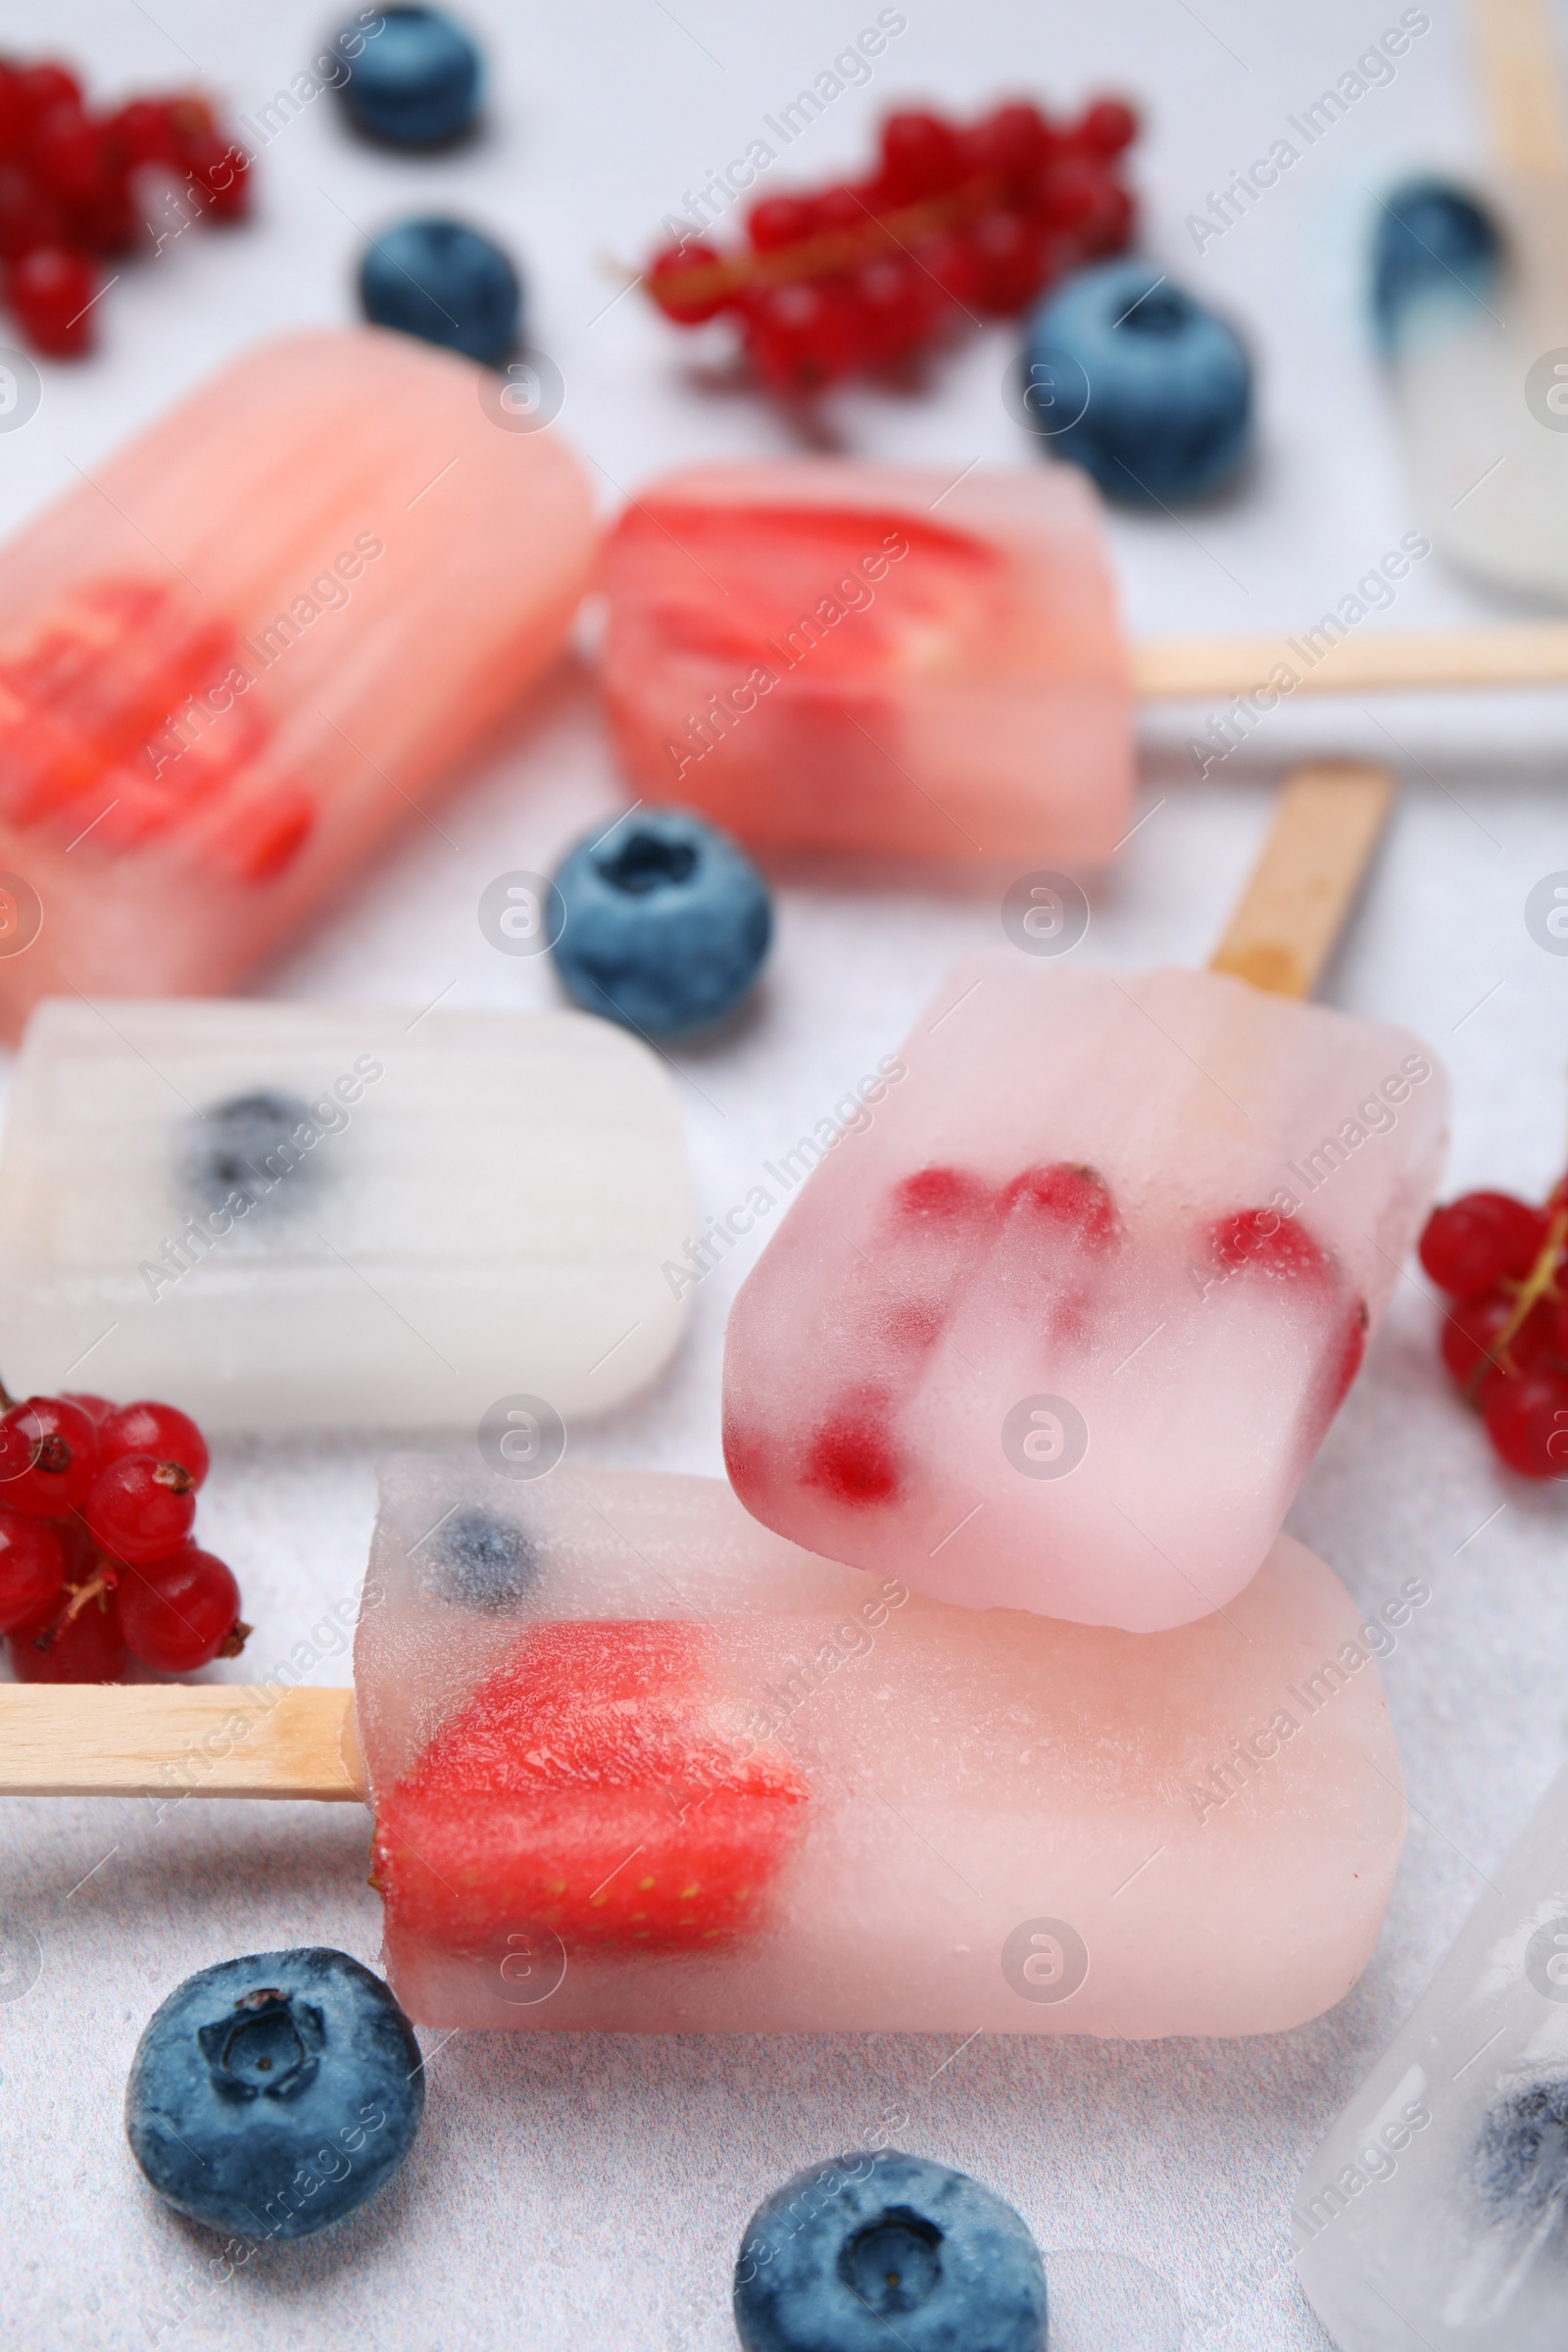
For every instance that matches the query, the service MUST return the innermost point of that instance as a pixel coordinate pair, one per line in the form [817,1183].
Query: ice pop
[1060,1326]
[638,1764]
[825,656]
[296,1215]
[1473,314]
[1430,2218]
[235,657]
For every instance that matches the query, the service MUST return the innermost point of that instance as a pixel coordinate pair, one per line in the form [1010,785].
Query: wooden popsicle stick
[167,1740]
[1522,83]
[1329,822]
[1383,661]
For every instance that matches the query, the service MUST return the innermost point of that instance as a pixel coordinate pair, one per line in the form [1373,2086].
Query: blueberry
[246,1146]
[272,2095]
[445,283]
[873,2251]
[1164,387]
[481,1562]
[1431,242]
[1521,2163]
[667,923]
[416,83]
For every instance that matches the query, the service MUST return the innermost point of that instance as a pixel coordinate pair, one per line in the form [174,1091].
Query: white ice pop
[640,1765]
[1433,2215]
[284,1215]
[1060,1326]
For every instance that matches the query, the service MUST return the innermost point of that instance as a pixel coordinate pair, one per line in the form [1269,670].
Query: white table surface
[589,2191]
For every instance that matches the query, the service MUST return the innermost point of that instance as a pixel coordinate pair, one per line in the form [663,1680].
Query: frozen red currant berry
[1527,1421]
[161,1430]
[1070,1199]
[852,1458]
[1268,1242]
[140,1508]
[1482,1239]
[182,1612]
[942,1197]
[48,1456]
[33,1568]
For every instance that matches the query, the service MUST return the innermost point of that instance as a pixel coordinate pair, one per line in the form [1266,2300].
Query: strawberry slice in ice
[600,1785]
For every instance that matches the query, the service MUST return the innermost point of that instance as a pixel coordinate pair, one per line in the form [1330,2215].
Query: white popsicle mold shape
[286,1216]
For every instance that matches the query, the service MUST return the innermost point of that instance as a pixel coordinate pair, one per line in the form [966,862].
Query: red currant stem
[838,248]
[236,1638]
[97,1588]
[1540,1283]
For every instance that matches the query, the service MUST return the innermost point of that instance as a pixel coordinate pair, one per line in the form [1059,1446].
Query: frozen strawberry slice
[597,1784]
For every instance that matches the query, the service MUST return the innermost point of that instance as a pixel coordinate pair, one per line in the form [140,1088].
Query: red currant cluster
[96,1561]
[969,219]
[1505,1341]
[67,190]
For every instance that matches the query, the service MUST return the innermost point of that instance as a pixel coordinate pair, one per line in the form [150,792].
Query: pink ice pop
[639,1765]
[827,656]
[1061,1325]
[233,659]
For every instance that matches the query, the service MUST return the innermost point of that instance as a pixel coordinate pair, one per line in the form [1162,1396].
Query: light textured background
[589,2192]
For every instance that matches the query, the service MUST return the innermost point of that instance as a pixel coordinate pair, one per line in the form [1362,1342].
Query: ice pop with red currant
[1063,1326]
[234,657]
[638,1764]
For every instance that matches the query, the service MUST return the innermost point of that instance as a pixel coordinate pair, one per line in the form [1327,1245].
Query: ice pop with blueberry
[309,1215]
[235,655]
[1062,1326]
[638,1764]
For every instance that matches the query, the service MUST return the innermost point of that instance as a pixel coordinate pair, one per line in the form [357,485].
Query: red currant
[161,1430]
[77,1639]
[921,156]
[1009,264]
[666,274]
[1471,1328]
[1012,144]
[950,261]
[181,1612]
[48,1456]
[140,1508]
[67,155]
[1270,1242]
[1110,225]
[141,134]
[1070,1199]
[779,220]
[1482,1239]
[47,86]
[803,336]
[220,175]
[1108,125]
[32,1567]
[897,302]
[96,1408]
[51,290]
[846,207]
[1527,1421]
[28,217]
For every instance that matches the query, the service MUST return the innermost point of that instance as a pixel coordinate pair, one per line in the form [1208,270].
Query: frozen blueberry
[415,81]
[1521,2165]
[482,1562]
[1164,387]
[445,283]
[274,2095]
[667,923]
[872,2251]
[246,1146]
[1431,242]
